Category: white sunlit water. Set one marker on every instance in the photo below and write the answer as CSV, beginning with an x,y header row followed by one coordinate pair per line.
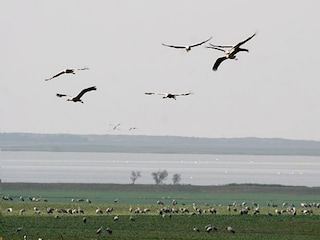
x,y
195,169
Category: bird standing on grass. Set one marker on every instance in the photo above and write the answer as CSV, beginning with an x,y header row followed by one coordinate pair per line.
x,y
109,230
196,229
99,230
230,229
209,228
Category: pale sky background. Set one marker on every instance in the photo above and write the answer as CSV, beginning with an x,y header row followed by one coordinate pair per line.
x,y
272,91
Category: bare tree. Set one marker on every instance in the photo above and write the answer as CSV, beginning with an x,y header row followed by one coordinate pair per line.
x,y
159,176
176,178
134,176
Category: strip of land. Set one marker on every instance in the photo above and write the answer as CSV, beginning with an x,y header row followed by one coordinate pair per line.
x,y
230,188
156,144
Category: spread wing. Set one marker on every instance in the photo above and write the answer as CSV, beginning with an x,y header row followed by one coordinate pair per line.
x,y
182,94
85,91
170,94
243,42
215,47
218,62
61,95
235,46
219,46
193,45
152,93
173,46
85,68
200,43
57,75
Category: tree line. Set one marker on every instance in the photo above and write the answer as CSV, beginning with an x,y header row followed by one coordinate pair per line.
x,y
159,177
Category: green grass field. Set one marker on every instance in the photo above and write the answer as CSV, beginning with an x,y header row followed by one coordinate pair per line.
x,y
152,225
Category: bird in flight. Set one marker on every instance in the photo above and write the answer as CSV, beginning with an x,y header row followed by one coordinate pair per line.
x,y
170,95
230,52
78,97
67,70
187,47
115,127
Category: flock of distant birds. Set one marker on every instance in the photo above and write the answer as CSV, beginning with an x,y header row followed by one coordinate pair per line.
x,y
230,52
166,211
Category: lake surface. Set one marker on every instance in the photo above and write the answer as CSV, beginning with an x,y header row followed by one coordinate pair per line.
x,y
195,169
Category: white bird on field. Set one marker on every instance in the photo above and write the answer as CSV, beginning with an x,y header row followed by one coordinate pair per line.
x,y
230,53
109,230
78,97
196,229
187,47
209,228
230,229
99,230
99,211
66,71
170,95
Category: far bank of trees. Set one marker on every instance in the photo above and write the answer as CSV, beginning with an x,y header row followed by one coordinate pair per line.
x,y
134,176
159,177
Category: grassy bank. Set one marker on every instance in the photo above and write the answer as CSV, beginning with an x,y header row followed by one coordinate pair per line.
x,y
153,224
148,194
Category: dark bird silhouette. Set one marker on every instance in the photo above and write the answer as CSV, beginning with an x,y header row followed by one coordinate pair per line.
x,y
66,71
84,219
78,97
170,95
114,126
187,47
230,53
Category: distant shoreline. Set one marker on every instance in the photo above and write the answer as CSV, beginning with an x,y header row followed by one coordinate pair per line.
x,y
229,188
157,144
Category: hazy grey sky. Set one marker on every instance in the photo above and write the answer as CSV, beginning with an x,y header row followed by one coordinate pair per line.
x,y
272,91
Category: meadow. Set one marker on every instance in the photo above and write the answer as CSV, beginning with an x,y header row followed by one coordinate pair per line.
x,y
151,223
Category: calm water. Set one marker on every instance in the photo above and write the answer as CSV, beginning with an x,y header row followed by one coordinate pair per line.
x,y
55,167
